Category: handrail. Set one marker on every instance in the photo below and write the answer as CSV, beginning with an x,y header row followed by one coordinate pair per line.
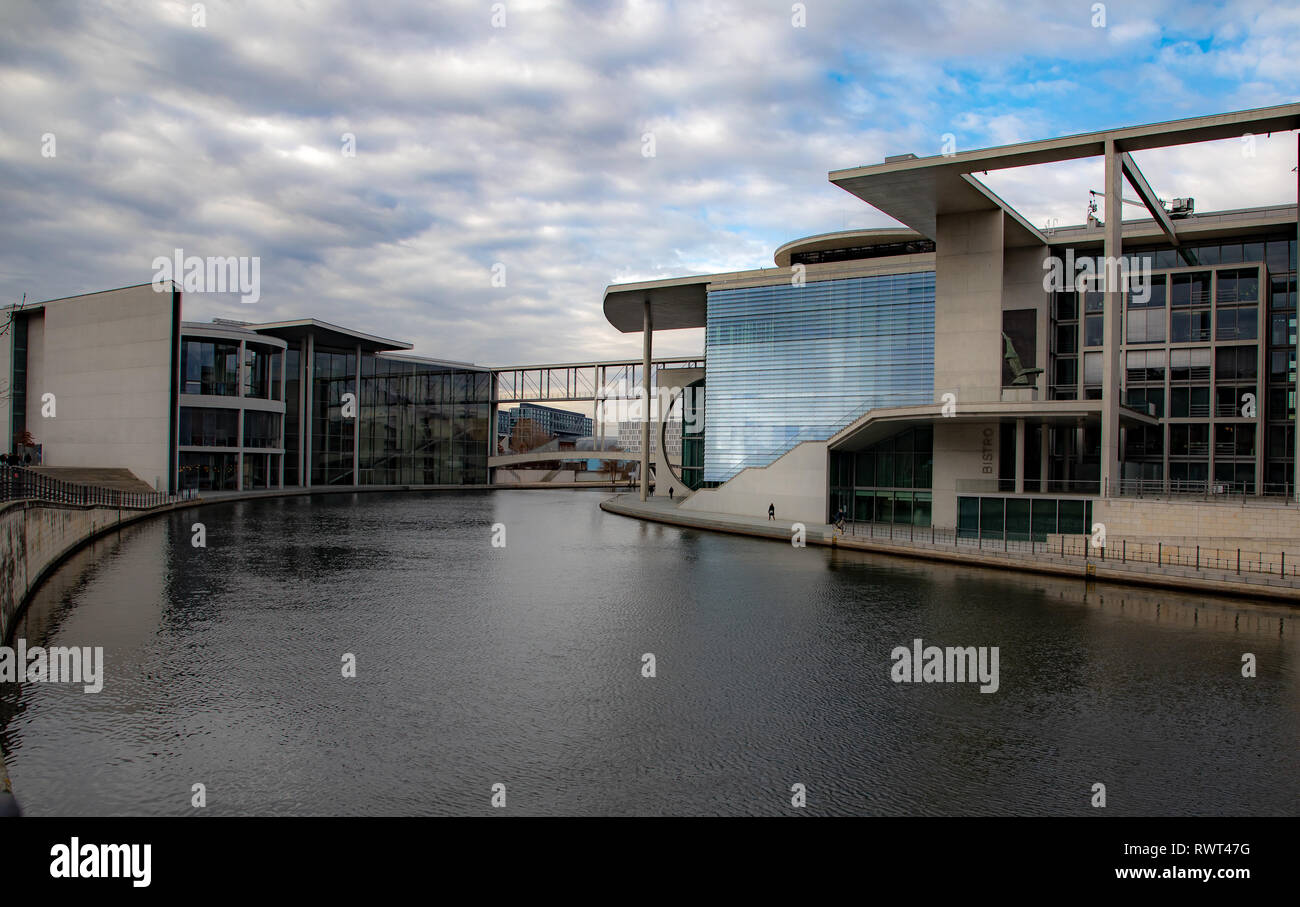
x,y
20,484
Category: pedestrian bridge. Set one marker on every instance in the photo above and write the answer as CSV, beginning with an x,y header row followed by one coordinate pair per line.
x,y
548,456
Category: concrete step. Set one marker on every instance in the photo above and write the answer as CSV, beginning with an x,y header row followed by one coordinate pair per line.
x,y
116,479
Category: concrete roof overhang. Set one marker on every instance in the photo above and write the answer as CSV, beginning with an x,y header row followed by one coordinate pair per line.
x,y
916,191
677,302
327,334
842,239
880,423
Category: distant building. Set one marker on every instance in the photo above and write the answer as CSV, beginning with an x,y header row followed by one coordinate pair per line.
x,y
629,437
234,406
559,423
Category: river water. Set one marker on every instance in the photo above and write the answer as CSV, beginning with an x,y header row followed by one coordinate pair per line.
x,y
523,666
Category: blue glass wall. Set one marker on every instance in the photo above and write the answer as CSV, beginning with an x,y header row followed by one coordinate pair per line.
x,y
786,364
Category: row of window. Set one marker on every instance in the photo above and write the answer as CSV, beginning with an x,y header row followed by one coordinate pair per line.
x,y
210,427
212,367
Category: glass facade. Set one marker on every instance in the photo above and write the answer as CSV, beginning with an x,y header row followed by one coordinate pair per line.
x,y
421,423
1211,354
333,375
1021,519
209,471
210,367
202,426
292,405
888,482
693,430
786,364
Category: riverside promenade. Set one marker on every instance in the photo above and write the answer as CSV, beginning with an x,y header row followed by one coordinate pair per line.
x,y
1067,557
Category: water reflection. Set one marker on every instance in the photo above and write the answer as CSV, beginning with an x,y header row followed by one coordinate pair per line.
x,y
522,665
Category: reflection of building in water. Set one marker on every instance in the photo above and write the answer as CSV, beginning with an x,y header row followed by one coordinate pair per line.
x,y
1202,613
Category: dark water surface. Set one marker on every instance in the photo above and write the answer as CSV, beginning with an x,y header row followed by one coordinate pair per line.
x,y
522,666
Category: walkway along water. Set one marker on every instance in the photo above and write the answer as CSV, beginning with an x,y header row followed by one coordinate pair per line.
x,y
1070,556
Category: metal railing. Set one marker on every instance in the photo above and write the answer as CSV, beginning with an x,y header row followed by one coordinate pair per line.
x,y
1206,489
18,484
1080,547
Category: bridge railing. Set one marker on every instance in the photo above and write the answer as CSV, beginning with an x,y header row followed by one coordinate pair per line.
x,y
18,484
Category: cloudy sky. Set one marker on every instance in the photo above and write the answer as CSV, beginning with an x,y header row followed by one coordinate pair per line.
x,y
515,135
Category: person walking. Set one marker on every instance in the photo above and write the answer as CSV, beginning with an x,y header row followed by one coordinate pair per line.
x,y
670,492
771,511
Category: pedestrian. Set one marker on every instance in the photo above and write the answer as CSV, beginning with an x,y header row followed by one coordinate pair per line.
x,y
771,511
670,492
28,459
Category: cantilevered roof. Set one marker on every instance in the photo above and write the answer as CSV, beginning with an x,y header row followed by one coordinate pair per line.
x,y
677,302
916,191
328,335
880,423
843,239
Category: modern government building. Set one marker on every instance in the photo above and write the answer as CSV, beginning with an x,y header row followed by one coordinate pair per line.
x,y
946,372
117,379
940,375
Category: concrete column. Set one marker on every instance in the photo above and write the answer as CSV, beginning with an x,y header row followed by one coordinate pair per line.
x,y
1020,456
1112,324
1044,436
647,329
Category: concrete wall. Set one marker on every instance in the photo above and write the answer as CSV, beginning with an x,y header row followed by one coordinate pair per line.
x,y
795,483
962,450
34,537
968,278
1191,519
1022,288
107,358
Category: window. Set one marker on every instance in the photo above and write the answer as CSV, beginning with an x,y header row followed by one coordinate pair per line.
x,y
1155,299
204,427
1190,289
1067,372
1093,330
1150,400
1145,365
1236,323
1189,402
1092,368
1189,365
261,429
210,367
1238,286
1067,307
1189,326
1146,326
1191,440
1232,363
1282,329
1234,439
1067,339
1281,365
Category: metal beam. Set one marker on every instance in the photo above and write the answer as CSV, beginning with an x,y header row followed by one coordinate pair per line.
x,y
1144,191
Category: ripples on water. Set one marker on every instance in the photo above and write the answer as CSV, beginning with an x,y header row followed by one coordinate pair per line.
x,y
521,665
